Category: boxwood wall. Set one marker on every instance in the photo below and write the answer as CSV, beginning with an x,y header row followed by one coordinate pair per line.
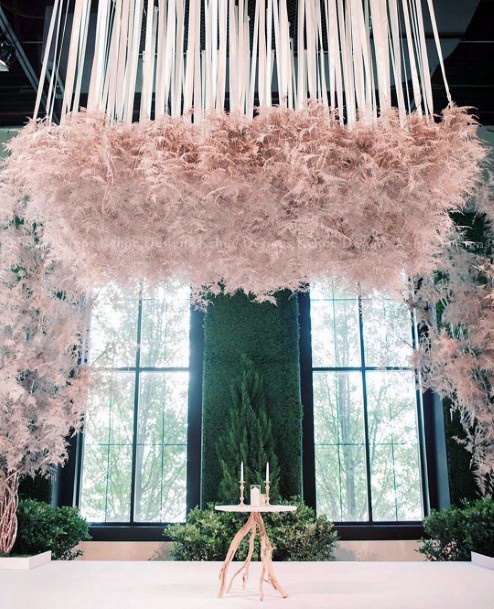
x,y
269,335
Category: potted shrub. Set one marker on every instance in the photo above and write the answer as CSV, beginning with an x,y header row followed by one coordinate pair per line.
x,y
42,528
299,535
464,532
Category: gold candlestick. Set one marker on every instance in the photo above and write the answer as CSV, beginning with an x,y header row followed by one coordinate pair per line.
x,y
268,486
241,492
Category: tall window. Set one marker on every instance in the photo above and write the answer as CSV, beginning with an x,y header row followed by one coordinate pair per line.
x,y
365,408
135,433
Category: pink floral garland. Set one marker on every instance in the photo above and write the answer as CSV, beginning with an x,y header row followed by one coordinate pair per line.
x,y
255,205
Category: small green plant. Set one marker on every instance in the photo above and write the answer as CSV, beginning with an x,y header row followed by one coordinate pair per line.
x,y
459,530
299,535
43,528
248,436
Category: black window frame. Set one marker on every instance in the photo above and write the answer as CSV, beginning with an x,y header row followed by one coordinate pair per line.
x,y
67,481
432,443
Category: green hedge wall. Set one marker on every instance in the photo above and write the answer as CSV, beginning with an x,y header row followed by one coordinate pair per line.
x,y
269,335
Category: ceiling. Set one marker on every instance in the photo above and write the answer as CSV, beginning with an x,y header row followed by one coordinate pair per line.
x,y
466,29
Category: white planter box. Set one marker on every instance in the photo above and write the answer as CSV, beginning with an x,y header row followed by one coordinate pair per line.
x,y
482,561
24,562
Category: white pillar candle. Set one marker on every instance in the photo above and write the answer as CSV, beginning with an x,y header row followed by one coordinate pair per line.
x,y
255,496
267,471
242,472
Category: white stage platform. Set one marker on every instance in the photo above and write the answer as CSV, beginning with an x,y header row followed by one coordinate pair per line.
x,y
178,585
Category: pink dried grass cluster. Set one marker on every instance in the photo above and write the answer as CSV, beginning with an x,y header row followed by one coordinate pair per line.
x,y
457,358
42,389
255,205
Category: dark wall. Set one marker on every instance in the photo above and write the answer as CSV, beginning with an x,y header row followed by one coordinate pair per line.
x,y
462,484
269,335
36,488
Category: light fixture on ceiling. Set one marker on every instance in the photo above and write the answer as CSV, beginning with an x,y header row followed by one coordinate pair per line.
x,y
7,53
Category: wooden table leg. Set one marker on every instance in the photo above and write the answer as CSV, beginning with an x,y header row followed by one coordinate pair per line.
x,y
245,567
266,558
248,526
254,521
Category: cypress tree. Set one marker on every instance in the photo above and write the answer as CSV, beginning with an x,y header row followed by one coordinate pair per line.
x,y
248,438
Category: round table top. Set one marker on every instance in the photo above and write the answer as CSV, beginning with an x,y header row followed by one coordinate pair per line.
x,y
256,508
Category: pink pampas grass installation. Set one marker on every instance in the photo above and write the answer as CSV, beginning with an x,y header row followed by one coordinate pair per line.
x,y
332,182
457,355
43,387
256,205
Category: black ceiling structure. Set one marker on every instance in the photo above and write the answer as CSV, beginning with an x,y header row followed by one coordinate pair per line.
x,y
470,66
466,29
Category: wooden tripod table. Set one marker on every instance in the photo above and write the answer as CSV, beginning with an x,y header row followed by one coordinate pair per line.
x,y
253,523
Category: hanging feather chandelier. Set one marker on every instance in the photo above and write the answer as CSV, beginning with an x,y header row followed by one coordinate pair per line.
x,y
244,145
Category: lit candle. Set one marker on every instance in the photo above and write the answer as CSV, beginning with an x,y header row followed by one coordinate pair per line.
x,y
267,471
242,472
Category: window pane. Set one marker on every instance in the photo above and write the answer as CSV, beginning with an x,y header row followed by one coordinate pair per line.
x,y
92,503
155,419
328,482
161,447
174,483
335,328
387,332
340,445
165,327
113,332
394,450
107,460
390,438
119,474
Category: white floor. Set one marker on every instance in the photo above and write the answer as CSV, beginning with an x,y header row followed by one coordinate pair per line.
x,y
175,585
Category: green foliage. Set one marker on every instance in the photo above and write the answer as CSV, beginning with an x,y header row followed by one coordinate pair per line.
x,y
248,437
268,335
457,531
477,232
43,528
296,536
301,535
205,536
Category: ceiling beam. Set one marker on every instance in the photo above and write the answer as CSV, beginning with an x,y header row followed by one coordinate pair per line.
x,y
20,54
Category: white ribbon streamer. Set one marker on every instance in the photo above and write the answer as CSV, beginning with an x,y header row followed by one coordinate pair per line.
x,y
367,46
